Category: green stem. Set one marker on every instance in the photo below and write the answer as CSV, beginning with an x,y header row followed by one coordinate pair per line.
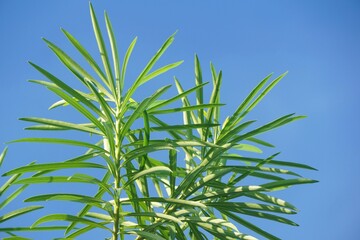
x,y
117,180
116,218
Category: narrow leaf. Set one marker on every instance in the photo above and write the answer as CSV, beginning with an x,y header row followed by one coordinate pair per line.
x,y
69,218
102,49
147,172
61,141
18,212
147,235
2,155
250,226
278,185
125,62
114,53
63,125
53,166
177,97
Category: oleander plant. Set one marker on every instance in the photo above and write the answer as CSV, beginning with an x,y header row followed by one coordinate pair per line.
x,y
152,179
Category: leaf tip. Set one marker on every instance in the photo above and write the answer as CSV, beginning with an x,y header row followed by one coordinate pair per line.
x,y
3,154
13,141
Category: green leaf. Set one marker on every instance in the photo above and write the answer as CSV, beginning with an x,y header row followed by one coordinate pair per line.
x,y
99,216
2,155
126,61
237,206
63,125
102,49
267,127
250,226
252,171
203,181
69,218
12,196
175,98
4,187
146,129
77,178
66,88
270,199
247,148
114,53
281,184
61,141
213,114
267,216
226,135
234,118
80,108
16,238
142,77
272,162
53,166
182,127
34,229
199,91
62,102
188,116
240,169
259,141
75,68
100,192
80,231
184,109
109,112
259,98
147,235
265,92
67,197
138,152
91,62
142,107
228,191
216,226
195,233
173,166
172,201
195,173
18,212
155,215
153,170
161,70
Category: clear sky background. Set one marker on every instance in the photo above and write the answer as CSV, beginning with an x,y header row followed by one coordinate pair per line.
x,y
318,42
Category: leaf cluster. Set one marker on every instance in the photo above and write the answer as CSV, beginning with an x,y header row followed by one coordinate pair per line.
x,y
189,183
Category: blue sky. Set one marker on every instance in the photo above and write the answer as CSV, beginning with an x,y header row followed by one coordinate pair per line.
x,y
316,41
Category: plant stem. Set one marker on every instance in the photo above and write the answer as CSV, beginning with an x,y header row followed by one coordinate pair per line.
x,y
117,179
116,222
116,210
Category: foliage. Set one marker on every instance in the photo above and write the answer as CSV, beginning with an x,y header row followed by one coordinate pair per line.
x,y
198,188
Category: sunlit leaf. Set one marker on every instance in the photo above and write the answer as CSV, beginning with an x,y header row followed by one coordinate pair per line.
x,y
53,166
63,125
18,212
102,49
2,155
61,141
70,218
